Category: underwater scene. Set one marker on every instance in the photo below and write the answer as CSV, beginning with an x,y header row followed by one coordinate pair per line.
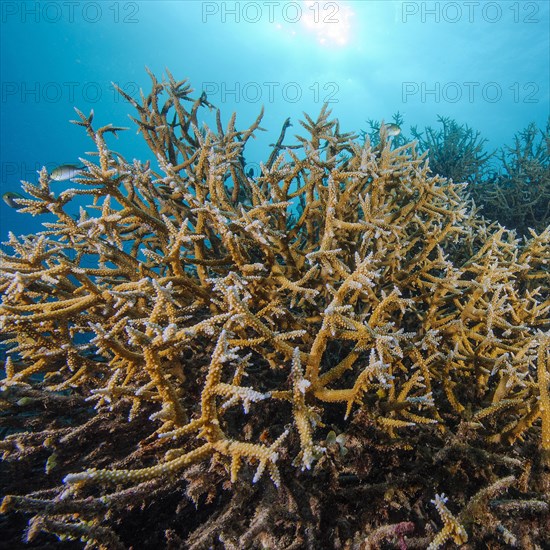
x,y
275,274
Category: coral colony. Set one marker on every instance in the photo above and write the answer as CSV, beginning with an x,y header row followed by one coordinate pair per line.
x,y
309,358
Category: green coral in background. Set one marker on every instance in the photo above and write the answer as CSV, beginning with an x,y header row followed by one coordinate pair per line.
x,y
455,151
518,196
510,186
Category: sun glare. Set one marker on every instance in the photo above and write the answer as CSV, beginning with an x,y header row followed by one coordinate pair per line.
x,y
330,22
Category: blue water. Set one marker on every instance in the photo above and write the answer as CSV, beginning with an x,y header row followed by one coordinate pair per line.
x,y
484,63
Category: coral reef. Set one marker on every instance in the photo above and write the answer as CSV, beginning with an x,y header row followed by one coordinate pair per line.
x,y
310,358
515,191
373,134
456,151
519,196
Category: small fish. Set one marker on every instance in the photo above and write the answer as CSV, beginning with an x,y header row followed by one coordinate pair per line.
x,y
26,401
66,172
392,129
332,439
11,198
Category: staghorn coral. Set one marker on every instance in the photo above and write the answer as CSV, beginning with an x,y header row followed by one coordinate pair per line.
x,y
373,134
456,151
515,193
223,326
519,196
